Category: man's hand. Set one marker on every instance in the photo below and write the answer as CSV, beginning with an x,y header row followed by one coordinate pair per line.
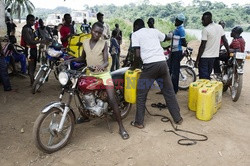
x,y
99,68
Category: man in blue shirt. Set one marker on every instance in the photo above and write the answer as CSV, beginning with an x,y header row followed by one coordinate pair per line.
x,y
178,40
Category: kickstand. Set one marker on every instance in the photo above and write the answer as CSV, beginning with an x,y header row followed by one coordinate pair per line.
x,y
108,124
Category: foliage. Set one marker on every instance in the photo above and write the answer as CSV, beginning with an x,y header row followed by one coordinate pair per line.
x,y
19,7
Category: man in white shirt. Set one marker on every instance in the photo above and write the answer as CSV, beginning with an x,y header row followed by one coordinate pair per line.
x,y
146,42
210,46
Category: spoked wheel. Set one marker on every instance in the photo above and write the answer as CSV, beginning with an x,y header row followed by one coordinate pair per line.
x,y
236,87
190,63
186,77
38,81
45,134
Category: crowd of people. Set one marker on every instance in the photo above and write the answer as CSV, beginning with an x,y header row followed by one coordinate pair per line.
x,y
145,51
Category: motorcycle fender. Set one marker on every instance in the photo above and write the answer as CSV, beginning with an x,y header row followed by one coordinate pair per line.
x,y
240,71
58,105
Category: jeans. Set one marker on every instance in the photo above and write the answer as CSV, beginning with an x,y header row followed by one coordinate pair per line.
x,y
22,59
174,68
115,62
205,67
4,77
155,71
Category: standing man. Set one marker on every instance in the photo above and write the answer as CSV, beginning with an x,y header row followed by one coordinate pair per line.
x,y
66,30
118,38
106,30
28,40
210,46
146,42
85,28
151,22
178,40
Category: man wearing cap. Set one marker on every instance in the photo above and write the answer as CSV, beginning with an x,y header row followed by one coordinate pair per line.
x,y
178,40
106,30
210,46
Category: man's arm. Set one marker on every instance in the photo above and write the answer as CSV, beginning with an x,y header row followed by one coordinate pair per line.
x,y
136,58
225,42
201,50
184,42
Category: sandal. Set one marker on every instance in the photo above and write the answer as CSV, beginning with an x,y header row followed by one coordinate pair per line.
x,y
124,134
82,120
132,123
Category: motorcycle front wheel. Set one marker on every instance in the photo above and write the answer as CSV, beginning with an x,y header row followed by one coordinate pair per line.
x,y
38,81
236,87
45,134
186,77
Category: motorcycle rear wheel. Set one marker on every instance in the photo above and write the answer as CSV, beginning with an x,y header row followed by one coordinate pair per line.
x,y
48,139
187,76
124,106
38,81
236,89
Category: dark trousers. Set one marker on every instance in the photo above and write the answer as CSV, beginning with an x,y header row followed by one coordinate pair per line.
x,y
156,71
32,63
4,77
223,57
174,68
205,67
115,62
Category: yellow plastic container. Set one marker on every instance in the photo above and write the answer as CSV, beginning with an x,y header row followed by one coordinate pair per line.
x,y
206,103
218,93
131,79
75,47
193,93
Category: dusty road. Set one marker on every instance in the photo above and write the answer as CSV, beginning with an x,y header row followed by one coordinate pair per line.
x,y
92,144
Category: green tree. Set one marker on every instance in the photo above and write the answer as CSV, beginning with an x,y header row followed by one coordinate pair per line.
x,y
19,7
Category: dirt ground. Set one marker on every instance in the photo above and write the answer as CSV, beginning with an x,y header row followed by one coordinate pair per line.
x,y
92,144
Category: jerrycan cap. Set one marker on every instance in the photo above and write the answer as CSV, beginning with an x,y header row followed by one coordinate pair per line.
x,y
204,91
194,84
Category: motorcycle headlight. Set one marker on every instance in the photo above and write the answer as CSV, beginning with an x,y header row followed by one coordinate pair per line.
x,y
63,78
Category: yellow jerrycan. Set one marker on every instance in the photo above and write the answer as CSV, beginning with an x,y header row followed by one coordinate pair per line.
x,y
218,94
131,80
206,103
193,93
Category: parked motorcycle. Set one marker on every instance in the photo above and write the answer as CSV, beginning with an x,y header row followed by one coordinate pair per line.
x,y
54,126
53,55
232,74
187,73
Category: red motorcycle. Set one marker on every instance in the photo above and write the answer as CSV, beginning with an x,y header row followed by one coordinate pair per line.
x,y
54,126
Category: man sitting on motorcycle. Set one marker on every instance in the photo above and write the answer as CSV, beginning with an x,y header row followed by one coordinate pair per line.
x,y
95,53
237,45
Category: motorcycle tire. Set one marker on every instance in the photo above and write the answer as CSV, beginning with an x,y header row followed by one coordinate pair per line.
x,y
190,63
187,76
38,81
236,91
37,129
124,106
225,87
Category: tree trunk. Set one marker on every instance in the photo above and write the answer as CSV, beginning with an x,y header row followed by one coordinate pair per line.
x,y
19,13
3,28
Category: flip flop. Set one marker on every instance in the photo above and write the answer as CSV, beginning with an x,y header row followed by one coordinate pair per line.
x,y
132,123
124,135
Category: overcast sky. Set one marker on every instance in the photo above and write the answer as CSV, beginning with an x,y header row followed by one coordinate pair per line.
x,y
78,4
